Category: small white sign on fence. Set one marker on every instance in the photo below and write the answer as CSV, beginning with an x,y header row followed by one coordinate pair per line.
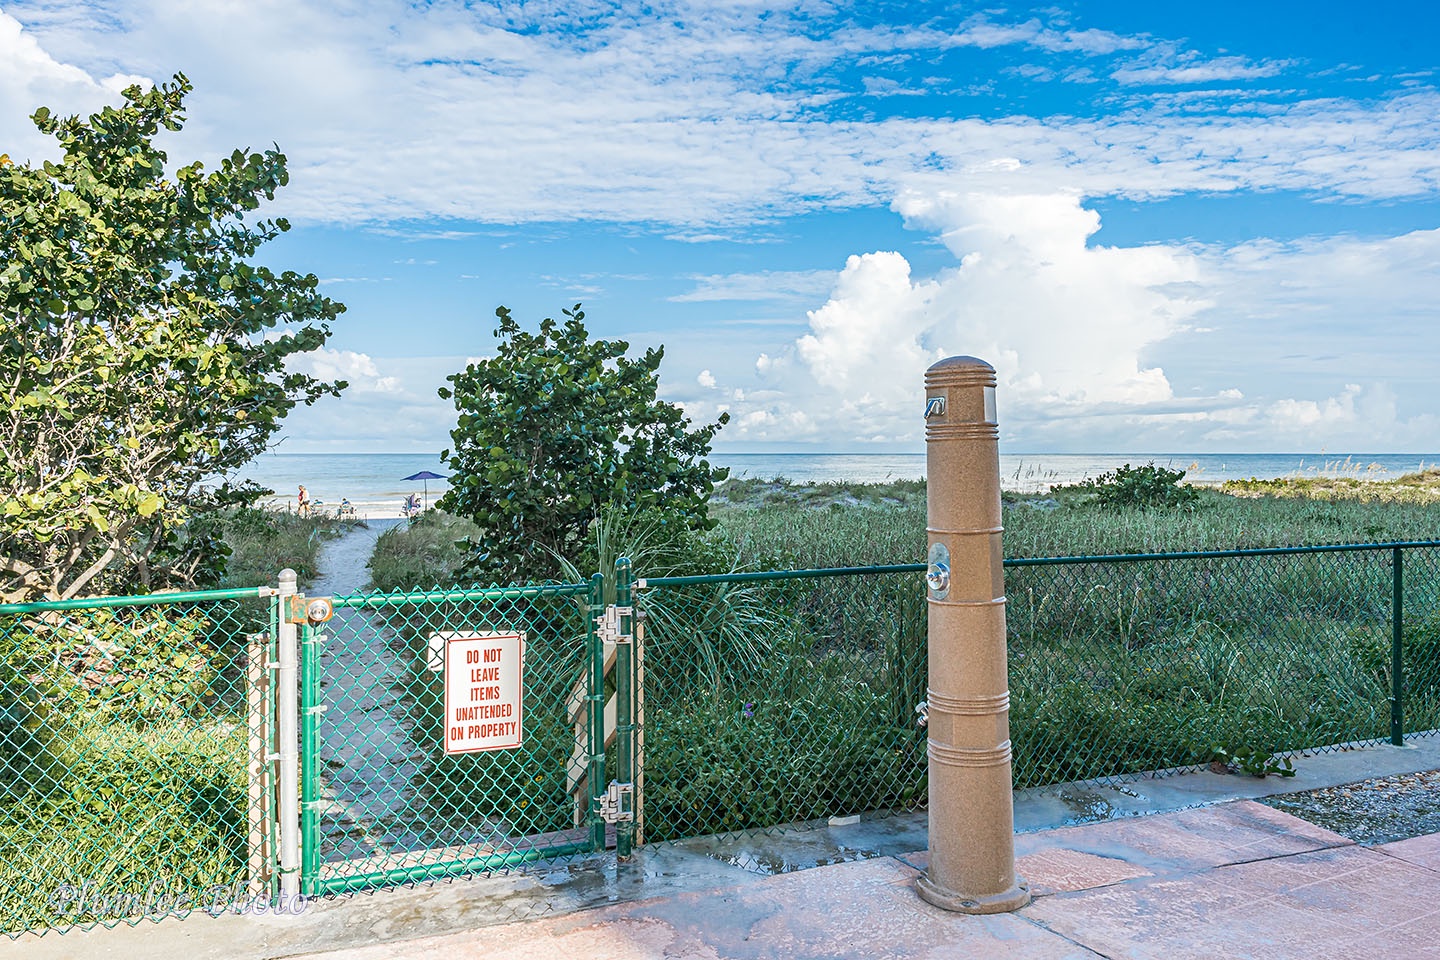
x,y
484,687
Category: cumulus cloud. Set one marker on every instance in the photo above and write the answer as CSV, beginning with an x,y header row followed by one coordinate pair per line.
x,y
868,329
1251,346
30,77
1066,324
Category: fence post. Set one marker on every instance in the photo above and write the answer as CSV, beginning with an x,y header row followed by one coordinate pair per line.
x,y
1397,637
260,798
972,814
287,701
624,702
309,758
595,770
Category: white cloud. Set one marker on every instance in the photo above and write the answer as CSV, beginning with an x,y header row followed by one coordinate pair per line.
x,y
1252,346
397,113
30,77
1065,324
706,379
358,369
980,32
867,330
766,285
391,404
1199,71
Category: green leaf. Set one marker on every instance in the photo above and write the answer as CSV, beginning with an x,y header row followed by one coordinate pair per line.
x,y
123,270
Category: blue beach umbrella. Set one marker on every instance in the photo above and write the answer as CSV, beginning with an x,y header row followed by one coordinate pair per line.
x,y
426,476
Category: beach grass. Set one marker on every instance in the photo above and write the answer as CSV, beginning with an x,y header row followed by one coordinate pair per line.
x,y
1116,668
777,522
264,542
426,553
792,521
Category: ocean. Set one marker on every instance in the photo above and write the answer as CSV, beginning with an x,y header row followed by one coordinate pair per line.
x,y
373,485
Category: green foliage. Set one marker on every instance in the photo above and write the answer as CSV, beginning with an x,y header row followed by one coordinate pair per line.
x,y
1253,762
426,553
875,531
133,816
134,666
26,740
143,349
1146,487
261,543
555,428
717,764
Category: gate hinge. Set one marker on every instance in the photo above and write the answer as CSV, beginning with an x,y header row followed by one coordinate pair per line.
x,y
607,626
617,803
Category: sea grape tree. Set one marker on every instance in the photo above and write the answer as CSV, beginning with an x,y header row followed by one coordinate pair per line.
x,y
142,348
556,429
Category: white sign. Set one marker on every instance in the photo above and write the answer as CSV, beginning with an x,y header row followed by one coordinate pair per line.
x,y
484,686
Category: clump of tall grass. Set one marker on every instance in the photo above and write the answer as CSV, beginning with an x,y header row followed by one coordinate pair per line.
x,y
129,823
264,542
1412,488
424,554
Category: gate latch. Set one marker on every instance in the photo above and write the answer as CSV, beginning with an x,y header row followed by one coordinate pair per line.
x,y
608,625
617,803
311,610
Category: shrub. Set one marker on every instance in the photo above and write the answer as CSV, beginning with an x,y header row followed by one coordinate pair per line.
x,y
1147,486
555,429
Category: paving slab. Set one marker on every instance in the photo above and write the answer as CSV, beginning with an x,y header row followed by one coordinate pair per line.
x,y
1077,841
1338,902
1421,851
862,910
1189,840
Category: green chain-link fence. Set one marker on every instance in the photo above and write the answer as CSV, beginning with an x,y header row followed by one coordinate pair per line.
x,y
779,697
1120,665
383,800
771,698
138,742
125,757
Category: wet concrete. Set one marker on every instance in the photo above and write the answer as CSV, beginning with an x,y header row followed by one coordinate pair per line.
x,y
1160,831
1234,880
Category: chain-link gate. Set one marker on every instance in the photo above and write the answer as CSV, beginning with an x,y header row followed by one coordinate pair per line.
x,y
387,795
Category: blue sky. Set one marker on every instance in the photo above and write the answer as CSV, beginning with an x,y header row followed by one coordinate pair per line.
x,y
1186,227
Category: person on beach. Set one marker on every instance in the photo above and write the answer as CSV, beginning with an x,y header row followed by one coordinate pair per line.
x,y
303,502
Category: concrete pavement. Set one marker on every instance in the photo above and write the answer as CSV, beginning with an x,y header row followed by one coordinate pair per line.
x,y
1236,880
1177,866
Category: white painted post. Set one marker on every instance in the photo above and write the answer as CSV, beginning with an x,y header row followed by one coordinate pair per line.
x,y
287,701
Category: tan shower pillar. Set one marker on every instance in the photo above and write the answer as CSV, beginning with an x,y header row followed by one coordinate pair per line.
x,y
972,814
